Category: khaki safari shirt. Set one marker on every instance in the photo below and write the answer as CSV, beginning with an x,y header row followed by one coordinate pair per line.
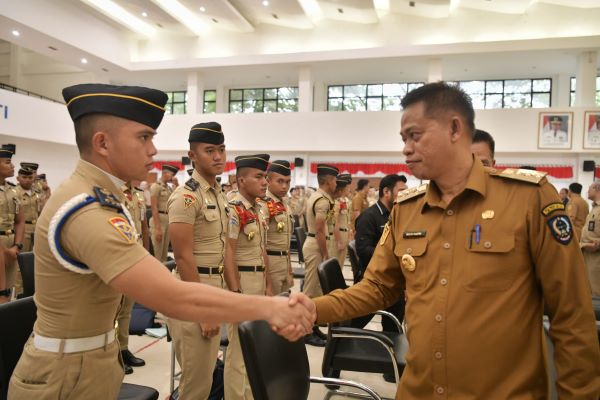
x,y
475,300
247,224
162,191
281,223
9,206
578,210
320,203
31,202
134,201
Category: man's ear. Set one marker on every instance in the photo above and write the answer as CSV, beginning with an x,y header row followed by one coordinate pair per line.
x,y
100,143
456,129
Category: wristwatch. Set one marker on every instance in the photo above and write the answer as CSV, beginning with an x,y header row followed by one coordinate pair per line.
x,y
18,246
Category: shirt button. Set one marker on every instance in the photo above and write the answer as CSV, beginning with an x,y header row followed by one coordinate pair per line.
x,y
444,281
487,245
409,250
446,245
450,212
439,317
439,390
438,355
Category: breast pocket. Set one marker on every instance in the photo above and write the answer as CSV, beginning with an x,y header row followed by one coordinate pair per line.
x,y
490,264
411,258
211,215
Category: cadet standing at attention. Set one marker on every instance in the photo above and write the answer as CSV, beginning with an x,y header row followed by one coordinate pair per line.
x,y
31,201
87,254
342,217
198,227
319,221
159,224
12,223
281,226
479,253
245,259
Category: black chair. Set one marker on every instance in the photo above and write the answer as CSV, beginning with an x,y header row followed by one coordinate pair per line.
x,y
26,263
354,263
20,315
300,235
354,349
596,305
278,369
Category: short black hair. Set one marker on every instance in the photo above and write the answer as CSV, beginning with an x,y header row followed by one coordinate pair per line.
x,y
389,181
361,184
575,187
439,97
482,136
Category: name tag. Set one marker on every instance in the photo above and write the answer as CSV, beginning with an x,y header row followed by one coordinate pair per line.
x,y
414,234
591,226
211,206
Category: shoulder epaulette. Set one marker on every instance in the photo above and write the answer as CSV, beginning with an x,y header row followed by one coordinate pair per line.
x,y
410,193
192,184
10,183
235,203
106,198
524,175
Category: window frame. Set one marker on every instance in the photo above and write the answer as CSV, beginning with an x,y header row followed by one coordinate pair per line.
x,y
263,99
366,96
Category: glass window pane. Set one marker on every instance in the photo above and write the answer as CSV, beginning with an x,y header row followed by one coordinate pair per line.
x,y
179,97
412,86
597,82
453,83
392,103
517,86
235,107
270,93
334,105
374,104
473,87
270,105
493,87
478,101
394,89
374,90
288,93
598,98
335,91
542,85
210,95
235,94
354,104
168,108
540,100
573,84
251,106
517,100
493,101
169,97
179,108
288,105
252,94
210,107
355,91
572,99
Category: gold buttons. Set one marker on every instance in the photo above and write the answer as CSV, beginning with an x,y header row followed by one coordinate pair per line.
x,y
409,250
439,390
439,317
487,245
450,212
444,281
446,245
438,355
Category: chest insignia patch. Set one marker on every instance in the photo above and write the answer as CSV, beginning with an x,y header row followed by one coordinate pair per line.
x,y
123,227
561,229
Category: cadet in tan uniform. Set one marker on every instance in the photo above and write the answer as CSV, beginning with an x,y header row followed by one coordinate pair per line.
x,y
87,254
36,186
577,209
479,252
46,191
245,259
198,227
12,224
319,220
360,202
159,224
281,226
590,239
342,217
31,202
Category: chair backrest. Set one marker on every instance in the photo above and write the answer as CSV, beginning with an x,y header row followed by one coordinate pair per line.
x,y
16,319
330,276
277,368
354,263
26,263
300,238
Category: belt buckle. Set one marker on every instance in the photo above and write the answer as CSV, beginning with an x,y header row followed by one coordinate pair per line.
x,y
220,269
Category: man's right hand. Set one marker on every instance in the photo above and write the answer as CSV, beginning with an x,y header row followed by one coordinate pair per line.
x,y
11,253
209,330
292,318
158,234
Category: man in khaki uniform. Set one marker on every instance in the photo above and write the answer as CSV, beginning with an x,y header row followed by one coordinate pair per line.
x,y
360,202
87,254
281,226
479,252
319,220
12,225
577,209
245,259
46,191
134,202
590,239
160,192
341,216
198,227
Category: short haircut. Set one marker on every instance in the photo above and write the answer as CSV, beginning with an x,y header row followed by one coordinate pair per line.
x,y
440,97
389,181
575,187
87,125
321,179
595,186
481,136
361,184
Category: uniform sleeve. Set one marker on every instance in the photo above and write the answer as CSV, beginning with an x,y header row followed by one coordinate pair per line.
x,y
154,190
560,271
382,285
183,206
321,207
233,228
102,240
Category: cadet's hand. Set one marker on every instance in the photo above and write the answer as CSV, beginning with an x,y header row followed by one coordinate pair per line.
x,y
11,253
290,279
158,234
290,318
269,289
209,330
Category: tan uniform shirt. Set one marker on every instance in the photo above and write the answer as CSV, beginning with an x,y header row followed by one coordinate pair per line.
x,y
578,210
341,214
247,224
162,191
69,304
9,206
360,202
281,224
591,233
205,207
319,203
134,201
31,202
474,304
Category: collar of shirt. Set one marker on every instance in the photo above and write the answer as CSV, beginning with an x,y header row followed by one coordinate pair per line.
x,y
245,202
475,183
98,177
116,181
204,185
327,196
382,209
271,195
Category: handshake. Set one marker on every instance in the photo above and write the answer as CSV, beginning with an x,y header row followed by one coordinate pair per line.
x,y
292,317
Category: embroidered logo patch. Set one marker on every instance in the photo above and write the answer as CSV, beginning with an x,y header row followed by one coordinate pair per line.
x,y
123,227
188,200
550,208
561,229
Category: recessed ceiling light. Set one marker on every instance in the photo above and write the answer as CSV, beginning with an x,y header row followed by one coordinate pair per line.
x,y
341,10
265,3
52,48
16,33
275,16
105,69
144,14
203,9
84,61
216,21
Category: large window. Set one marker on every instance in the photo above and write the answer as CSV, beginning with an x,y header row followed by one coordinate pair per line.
x,y
572,91
210,101
368,97
283,99
176,102
509,93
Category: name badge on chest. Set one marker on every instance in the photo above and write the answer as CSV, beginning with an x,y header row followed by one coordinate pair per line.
x,y
591,226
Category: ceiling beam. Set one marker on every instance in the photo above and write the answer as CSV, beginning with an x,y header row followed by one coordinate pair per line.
x,y
241,22
118,14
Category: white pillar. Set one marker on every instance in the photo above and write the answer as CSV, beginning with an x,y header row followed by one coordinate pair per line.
x,y
305,90
585,90
195,93
434,70
320,96
15,76
561,90
222,99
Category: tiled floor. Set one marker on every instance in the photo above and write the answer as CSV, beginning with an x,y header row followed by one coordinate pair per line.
x,y
157,354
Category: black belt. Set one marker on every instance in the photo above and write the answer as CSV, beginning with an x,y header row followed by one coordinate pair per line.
x,y
328,237
163,212
258,268
343,229
33,221
6,233
210,270
277,253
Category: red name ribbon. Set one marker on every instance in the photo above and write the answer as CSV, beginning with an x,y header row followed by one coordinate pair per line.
x,y
246,216
275,208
